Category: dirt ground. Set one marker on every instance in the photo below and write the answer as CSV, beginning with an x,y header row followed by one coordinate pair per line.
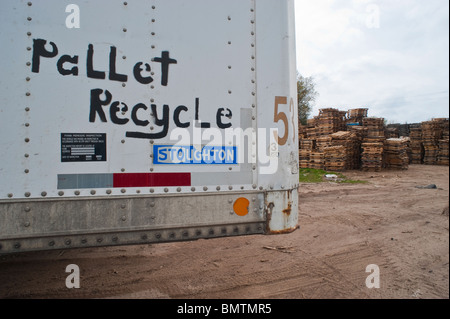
x,y
344,228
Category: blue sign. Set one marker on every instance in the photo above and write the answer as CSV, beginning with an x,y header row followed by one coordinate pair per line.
x,y
189,155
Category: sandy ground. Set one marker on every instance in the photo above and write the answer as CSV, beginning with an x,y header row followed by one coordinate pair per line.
x,y
344,228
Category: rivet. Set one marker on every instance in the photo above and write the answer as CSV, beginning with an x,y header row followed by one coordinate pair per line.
x,y
229,18
10,195
77,193
123,190
115,239
17,245
26,171
253,93
152,204
51,243
166,190
29,4
29,18
99,240
27,155
125,3
252,33
28,33
198,232
27,224
27,124
122,170
235,230
151,169
68,242
229,67
230,187
158,236
27,209
123,206
254,186
28,63
28,94
255,210
271,187
43,194
230,201
122,141
27,194
153,46
153,33
224,230
193,189
252,21
60,193
253,69
172,235
124,29
229,42
124,218
28,48
211,231
179,189
152,190
27,140
205,188
124,85
218,188
261,188
282,186
153,7
229,92
108,191
144,237
153,20
27,109
124,57
84,241
253,45
253,199
138,191
253,118
152,141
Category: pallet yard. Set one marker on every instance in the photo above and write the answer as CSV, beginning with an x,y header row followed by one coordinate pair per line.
x,y
346,140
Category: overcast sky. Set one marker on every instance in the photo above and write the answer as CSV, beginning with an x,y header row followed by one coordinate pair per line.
x,y
391,56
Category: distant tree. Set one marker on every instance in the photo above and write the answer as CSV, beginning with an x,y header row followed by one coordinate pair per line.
x,y
306,96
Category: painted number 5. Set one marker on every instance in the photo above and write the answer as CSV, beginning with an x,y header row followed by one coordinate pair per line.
x,y
281,116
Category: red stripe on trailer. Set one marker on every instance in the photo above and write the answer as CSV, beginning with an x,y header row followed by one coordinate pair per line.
x,y
151,179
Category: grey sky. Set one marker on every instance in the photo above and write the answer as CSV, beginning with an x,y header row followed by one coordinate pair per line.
x,y
391,56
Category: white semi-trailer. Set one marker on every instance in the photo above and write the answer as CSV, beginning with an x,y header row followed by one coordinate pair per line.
x,y
145,121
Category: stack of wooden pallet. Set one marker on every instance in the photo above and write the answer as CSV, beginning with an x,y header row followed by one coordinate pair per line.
x,y
443,156
396,153
307,144
415,144
351,144
431,133
304,158
317,160
372,156
375,130
335,158
322,142
329,121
